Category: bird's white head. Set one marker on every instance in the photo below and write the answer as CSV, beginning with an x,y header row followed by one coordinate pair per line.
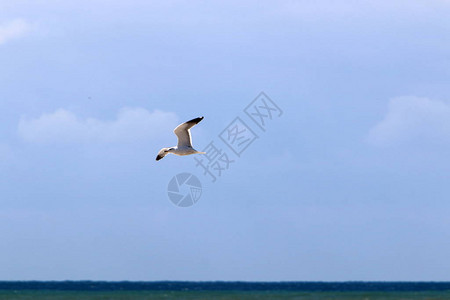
x,y
163,152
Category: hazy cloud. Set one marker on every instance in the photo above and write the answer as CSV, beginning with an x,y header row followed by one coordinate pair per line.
x,y
412,118
13,29
63,126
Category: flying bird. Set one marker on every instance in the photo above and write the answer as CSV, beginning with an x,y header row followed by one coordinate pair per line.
x,y
184,146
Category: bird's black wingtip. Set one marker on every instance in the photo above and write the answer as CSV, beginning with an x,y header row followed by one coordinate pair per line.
x,y
196,120
159,157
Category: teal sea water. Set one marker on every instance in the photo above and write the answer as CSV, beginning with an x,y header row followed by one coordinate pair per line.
x,y
223,290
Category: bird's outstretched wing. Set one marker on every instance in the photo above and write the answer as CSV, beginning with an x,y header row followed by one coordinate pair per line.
x,y
183,133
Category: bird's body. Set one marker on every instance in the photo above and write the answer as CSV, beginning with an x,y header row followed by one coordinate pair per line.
x,y
184,146
185,151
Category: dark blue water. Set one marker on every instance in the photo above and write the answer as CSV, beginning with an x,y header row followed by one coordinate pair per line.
x,y
225,286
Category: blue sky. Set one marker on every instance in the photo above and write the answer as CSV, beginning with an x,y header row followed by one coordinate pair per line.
x,y
350,183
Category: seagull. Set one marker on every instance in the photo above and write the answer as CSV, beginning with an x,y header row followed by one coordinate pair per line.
x,y
184,146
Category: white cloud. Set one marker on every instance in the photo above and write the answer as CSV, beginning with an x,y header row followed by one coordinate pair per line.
x,y
63,126
14,29
413,119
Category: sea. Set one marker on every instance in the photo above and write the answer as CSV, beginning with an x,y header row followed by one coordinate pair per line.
x,y
180,290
